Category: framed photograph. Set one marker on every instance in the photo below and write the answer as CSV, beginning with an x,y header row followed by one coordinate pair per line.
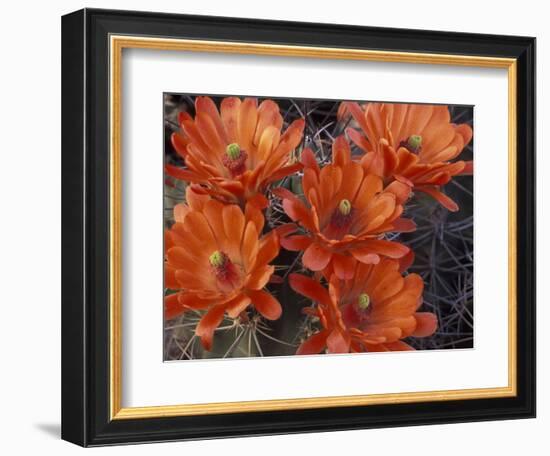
x,y
275,227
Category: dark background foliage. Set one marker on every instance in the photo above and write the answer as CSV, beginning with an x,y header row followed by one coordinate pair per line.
x,y
443,245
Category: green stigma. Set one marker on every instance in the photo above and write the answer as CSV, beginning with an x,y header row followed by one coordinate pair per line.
x,y
344,207
363,301
233,151
217,259
414,142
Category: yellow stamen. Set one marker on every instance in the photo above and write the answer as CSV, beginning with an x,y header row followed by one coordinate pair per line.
x,y
217,259
363,301
233,151
415,142
344,207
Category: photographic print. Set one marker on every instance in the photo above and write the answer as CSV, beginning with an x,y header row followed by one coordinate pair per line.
x,y
286,228
309,226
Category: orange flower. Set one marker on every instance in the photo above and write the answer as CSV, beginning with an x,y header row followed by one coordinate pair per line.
x,y
218,263
413,143
372,311
346,214
235,153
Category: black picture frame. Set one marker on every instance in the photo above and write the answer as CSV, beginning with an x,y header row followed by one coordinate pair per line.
x,y
85,228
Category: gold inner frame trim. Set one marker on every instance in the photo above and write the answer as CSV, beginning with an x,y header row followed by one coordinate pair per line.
x,y
117,44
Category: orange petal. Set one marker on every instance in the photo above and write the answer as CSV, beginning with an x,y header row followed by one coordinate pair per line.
x,y
438,139
465,131
210,135
168,240
341,153
468,168
258,200
183,116
308,159
296,243
190,280
316,257
314,344
286,229
380,208
296,210
359,140
309,288
251,212
267,142
208,324
230,108
389,158
407,161
172,307
237,305
180,173
268,116
276,279
250,246
426,324
387,333
194,199
344,266
180,211
192,301
234,224
390,249
358,114
440,197
401,190
398,345
365,256
181,258
213,211
284,171
170,278
403,304
206,105
197,148
197,227
310,181
370,186
266,304
389,282
179,143
269,248
402,225
259,277
248,118
337,342
406,261
352,178
418,118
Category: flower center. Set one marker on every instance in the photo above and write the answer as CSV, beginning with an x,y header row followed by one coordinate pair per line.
x,y
413,144
218,259
363,302
227,273
341,217
340,221
233,151
234,159
344,207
